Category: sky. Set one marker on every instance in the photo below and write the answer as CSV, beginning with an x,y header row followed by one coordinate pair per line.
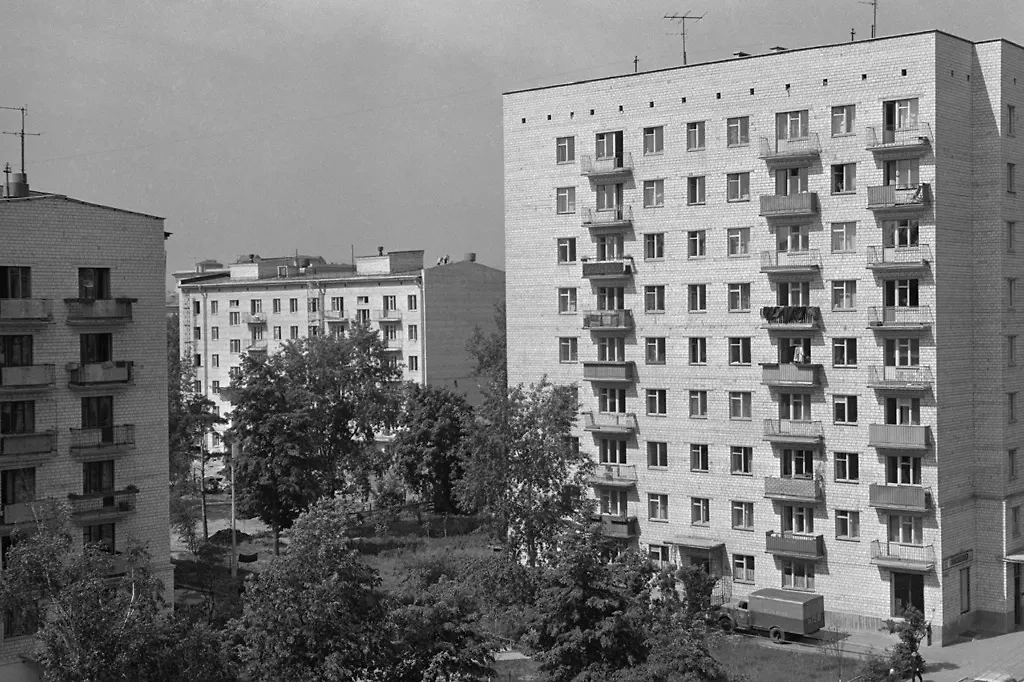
x,y
333,126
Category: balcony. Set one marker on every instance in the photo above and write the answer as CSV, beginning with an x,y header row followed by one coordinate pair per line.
x,y
791,262
617,527
895,199
254,319
900,319
898,436
614,476
100,374
103,439
899,259
789,206
609,371
900,497
28,377
20,311
99,310
900,557
789,375
795,318
32,443
793,431
621,217
88,508
257,346
610,422
606,167
387,315
793,489
26,512
392,345
796,546
608,320
889,378
335,315
889,142
609,269
800,151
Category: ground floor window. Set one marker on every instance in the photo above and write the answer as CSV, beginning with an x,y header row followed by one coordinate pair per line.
x,y
798,575
965,590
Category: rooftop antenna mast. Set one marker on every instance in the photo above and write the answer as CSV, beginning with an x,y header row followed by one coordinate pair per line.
x,y
874,13
22,133
682,19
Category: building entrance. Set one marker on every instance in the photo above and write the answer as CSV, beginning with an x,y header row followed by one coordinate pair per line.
x,y
907,590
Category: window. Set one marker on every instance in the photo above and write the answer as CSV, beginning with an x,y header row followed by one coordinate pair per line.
x,y
655,350
1011,406
844,237
739,241
795,406
790,181
695,136
659,555
567,349
737,131
19,622
844,294
654,140
903,411
293,305
98,477
611,400
906,529
698,350
609,247
414,363
338,304
739,405
695,190
18,417
656,401
737,186
256,305
236,345
903,470
654,193
798,519
739,298
1011,290
741,459
215,360
842,120
657,507
1015,521
567,250
845,409
91,348
1011,463
565,200
213,307
94,283
411,301
698,404
657,454
1011,177
699,457
844,352
609,145
567,300
791,125
293,331
696,243
654,245
794,293
1011,229
698,298
654,298
277,333
414,332
197,360
743,515
233,319
899,114
275,305
611,298
1011,120
739,350
609,198
847,467
98,412
847,524
743,568
565,149
700,511
844,178
797,575
15,282
965,589
214,333
611,349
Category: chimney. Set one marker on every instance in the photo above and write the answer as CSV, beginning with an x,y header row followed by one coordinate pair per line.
x,y
778,48
18,186
741,53
380,250
470,256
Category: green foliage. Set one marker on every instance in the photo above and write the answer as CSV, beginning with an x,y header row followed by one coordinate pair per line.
x,y
490,352
180,375
905,656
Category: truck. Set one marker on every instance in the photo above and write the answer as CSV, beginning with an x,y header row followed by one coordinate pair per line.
x,y
777,612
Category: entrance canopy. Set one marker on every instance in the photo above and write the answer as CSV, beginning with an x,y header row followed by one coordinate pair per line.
x,y
689,542
1014,558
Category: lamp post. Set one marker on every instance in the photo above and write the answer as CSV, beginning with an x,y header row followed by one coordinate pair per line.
x,y
235,450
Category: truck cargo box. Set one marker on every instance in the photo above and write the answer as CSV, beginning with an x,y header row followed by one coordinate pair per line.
x,y
797,612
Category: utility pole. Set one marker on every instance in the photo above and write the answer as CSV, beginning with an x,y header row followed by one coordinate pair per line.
x,y
22,133
874,13
682,19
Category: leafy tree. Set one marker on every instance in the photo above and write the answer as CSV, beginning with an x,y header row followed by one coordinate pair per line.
x,y
490,351
905,656
521,468
180,375
428,447
200,418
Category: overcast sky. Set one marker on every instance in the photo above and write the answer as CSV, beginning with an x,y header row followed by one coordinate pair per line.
x,y
266,126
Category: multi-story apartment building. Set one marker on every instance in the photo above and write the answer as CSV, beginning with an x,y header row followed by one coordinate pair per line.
x,y
425,315
789,287
83,379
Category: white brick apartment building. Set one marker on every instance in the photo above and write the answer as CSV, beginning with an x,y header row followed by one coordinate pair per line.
x,y
83,378
425,315
788,285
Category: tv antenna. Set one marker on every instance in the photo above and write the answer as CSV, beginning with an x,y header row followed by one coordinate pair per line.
x,y
22,133
874,13
682,19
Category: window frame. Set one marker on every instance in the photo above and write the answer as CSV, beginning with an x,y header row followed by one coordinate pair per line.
x,y
654,242
656,136
738,293
569,148
850,464
656,398
698,398
846,290
742,125
567,301
654,193
743,565
657,451
696,190
696,137
737,182
657,344
654,298
568,350
847,344
743,400
696,243
657,507
744,455
739,350
698,347
566,250
844,178
845,404
740,237
700,511
700,458
846,115
697,298
565,200
742,516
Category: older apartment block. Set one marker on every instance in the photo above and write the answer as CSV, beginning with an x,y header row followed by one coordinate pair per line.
x,y
789,286
83,380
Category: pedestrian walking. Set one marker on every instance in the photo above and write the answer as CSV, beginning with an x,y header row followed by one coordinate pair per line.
x,y
918,674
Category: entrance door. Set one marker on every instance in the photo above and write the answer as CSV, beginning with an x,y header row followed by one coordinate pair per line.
x,y
907,590
1018,596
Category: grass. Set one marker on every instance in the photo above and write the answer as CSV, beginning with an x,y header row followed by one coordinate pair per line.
x,y
766,662
516,671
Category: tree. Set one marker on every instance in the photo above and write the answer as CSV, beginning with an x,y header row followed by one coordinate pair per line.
x,y
905,656
522,468
179,392
490,351
200,417
428,447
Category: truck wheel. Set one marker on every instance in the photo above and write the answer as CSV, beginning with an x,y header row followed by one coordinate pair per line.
x,y
777,635
726,624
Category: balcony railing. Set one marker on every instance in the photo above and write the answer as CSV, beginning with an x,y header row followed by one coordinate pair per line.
x,y
103,438
610,422
100,505
257,346
609,371
898,436
336,315
902,142
93,310
793,431
614,475
804,204
27,377
900,378
790,374
899,258
34,443
254,318
27,512
903,557
791,317
96,373
903,318
797,546
387,315
618,527
899,497
608,320
24,310
607,166
790,151
792,489
608,269
394,344
613,217
896,198
790,262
